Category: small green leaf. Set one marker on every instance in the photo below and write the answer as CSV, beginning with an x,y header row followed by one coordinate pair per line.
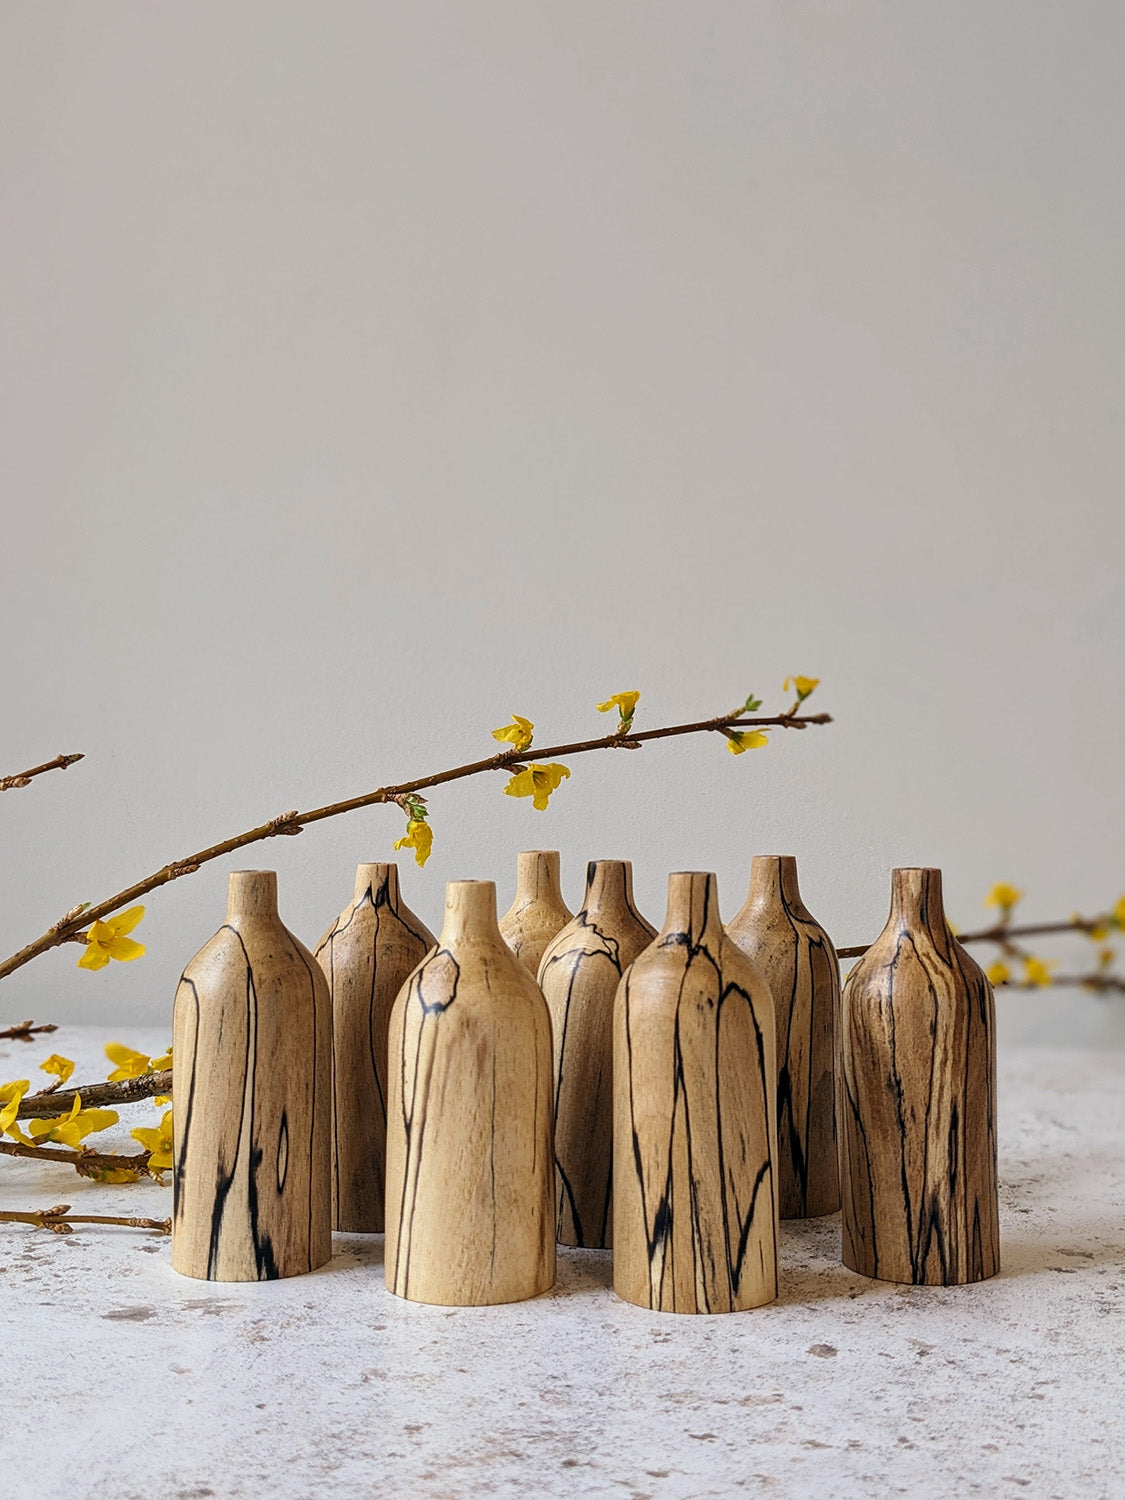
x,y
752,704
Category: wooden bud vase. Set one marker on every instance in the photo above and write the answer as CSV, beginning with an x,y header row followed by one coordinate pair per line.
x,y
367,955
539,912
579,975
784,939
694,1185
470,1154
252,1079
917,1101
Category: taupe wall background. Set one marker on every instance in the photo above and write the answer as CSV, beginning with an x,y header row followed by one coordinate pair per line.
x,y
372,371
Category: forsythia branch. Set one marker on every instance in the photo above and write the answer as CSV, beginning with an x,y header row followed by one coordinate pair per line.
x,y
67,928
23,778
85,1163
59,1219
46,1104
23,1031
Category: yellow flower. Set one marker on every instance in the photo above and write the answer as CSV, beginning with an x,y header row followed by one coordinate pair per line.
x,y
419,836
1119,911
1106,956
536,782
739,740
71,1129
10,1096
519,731
107,940
161,1064
802,686
61,1067
1004,896
626,706
1036,972
998,973
112,1174
130,1064
158,1143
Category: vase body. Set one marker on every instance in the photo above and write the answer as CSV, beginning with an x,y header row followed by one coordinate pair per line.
x,y
470,1154
252,1080
694,1184
538,912
579,974
783,938
367,955
917,1101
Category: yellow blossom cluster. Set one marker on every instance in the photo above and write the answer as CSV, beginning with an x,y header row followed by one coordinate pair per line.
x,y
71,1127
109,939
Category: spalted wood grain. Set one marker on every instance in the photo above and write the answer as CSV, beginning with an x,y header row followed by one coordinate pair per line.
x,y
694,1185
252,1077
470,1153
579,975
538,912
917,1101
367,955
776,930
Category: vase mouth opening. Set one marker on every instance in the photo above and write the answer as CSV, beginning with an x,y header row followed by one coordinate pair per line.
x,y
916,870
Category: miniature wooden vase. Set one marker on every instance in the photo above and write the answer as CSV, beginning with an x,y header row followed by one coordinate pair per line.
x,y
252,1078
780,934
694,1085
579,975
367,955
917,1101
470,1153
539,912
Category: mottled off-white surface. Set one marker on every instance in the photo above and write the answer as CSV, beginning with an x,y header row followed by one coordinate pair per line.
x,y
125,1380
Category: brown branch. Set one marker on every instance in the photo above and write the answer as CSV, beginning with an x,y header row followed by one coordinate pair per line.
x,y
23,1031
1095,980
1001,932
85,1163
59,1219
23,778
122,1091
67,928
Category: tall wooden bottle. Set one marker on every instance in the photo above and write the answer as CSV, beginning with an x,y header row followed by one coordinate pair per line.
x,y
470,1154
776,929
367,955
694,1182
252,1078
538,912
917,1100
579,975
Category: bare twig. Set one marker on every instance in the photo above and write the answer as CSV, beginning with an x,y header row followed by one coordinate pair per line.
x,y
67,928
123,1091
59,1219
23,1031
23,778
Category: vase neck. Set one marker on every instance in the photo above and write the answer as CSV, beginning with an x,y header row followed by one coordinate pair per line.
x,y
693,908
470,912
609,882
773,881
252,893
916,900
380,882
537,878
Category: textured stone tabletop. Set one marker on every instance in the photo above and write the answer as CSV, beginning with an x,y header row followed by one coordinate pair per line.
x,y
120,1379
